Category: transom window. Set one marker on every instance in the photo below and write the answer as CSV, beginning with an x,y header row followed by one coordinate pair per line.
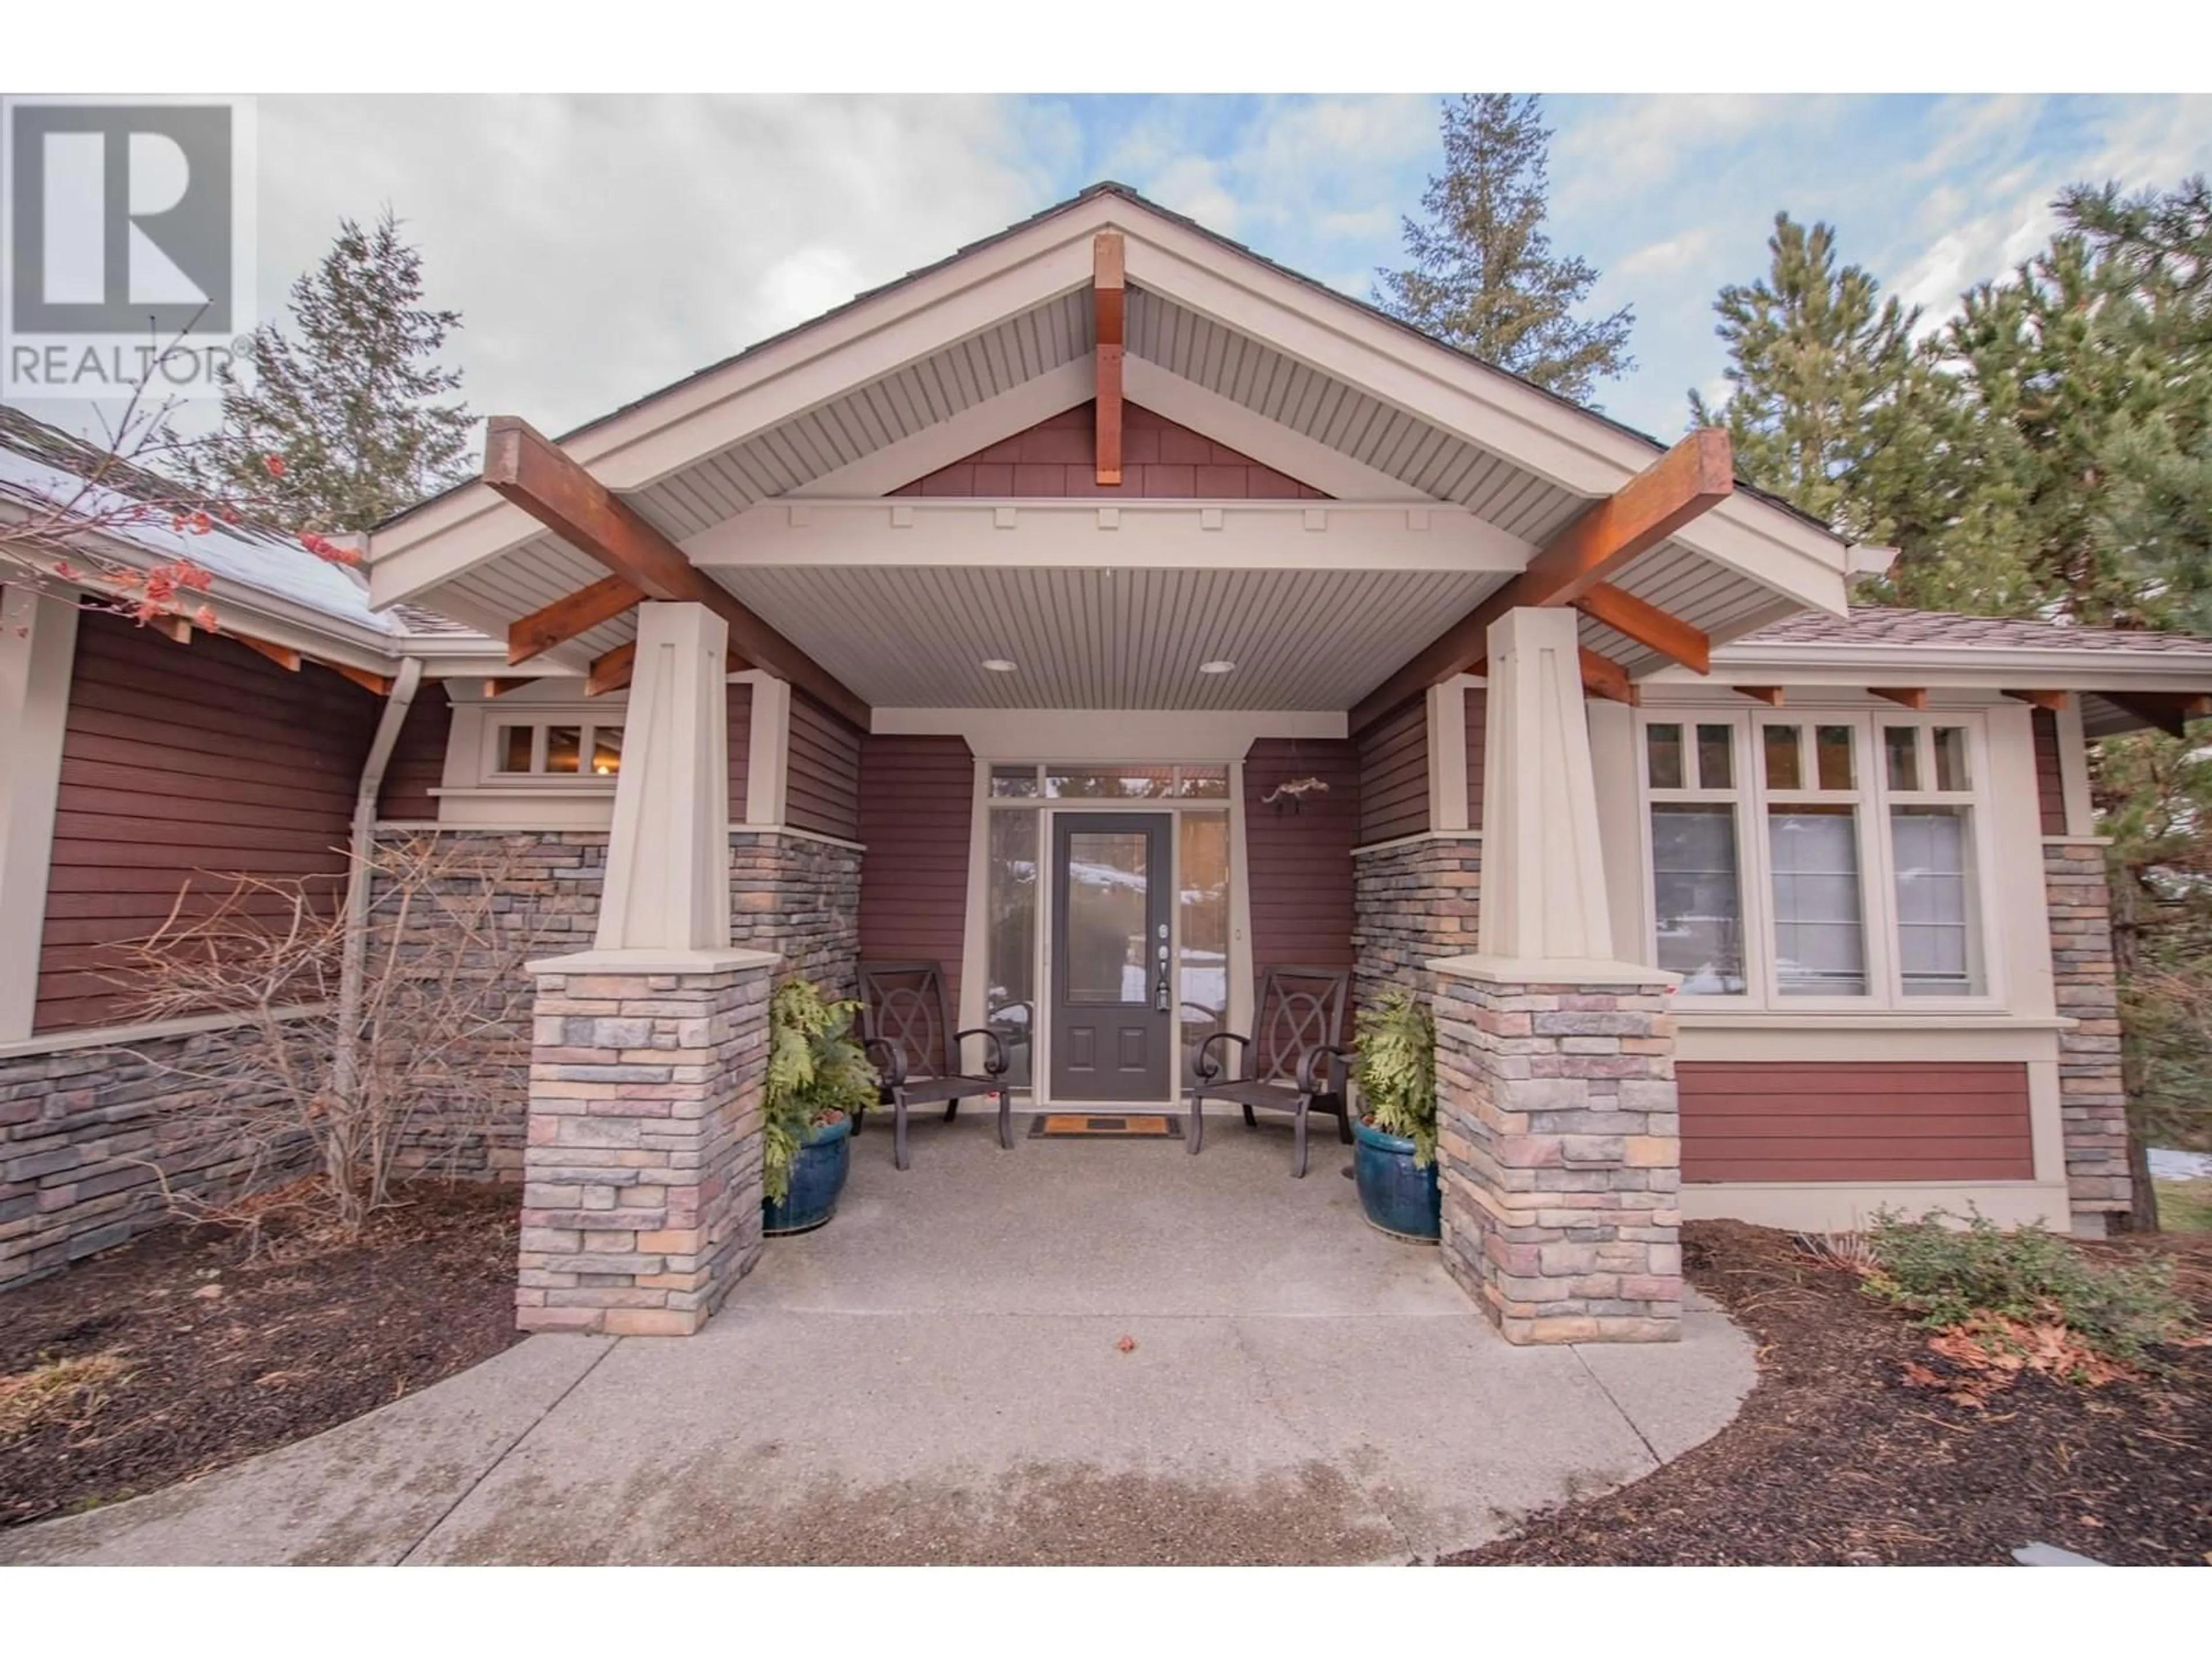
x,y
1053,782
1816,856
556,748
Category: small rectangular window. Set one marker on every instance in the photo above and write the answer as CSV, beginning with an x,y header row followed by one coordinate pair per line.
x,y
1109,783
1698,896
1938,933
564,749
1013,783
1832,744
1784,767
607,750
1202,782
1901,748
1715,757
1950,759
515,743
1662,749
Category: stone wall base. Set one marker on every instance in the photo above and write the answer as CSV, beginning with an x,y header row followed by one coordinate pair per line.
x,y
641,1202
1411,905
2092,1095
1561,1157
799,897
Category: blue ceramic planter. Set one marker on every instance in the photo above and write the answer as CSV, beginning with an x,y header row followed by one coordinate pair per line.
x,y
1401,1199
817,1175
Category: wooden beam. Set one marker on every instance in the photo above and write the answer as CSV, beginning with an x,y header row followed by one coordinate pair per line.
x,y
282,655
565,618
1604,677
1911,697
1769,695
521,465
612,671
1109,299
2169,711
501,687
380,684
2050,702
172,628
1647,624
1685,481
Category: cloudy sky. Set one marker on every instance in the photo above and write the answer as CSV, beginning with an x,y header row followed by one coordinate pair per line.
x,y
599,248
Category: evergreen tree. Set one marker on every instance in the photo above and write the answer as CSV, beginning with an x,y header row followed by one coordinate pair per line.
x,y
1483,276
352,406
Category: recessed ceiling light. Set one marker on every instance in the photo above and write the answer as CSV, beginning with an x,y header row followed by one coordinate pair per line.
x,y
1218,665
998,664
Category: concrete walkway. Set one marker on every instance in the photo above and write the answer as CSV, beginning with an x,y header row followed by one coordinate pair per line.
x,y
937,1376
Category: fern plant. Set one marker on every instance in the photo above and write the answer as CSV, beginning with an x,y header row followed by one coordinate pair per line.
x,y
817,1072
1396,1042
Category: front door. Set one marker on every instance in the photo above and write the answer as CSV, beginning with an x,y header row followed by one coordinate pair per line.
x,y
1110,999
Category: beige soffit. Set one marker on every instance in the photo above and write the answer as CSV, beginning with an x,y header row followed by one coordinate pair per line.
x,y
1004,313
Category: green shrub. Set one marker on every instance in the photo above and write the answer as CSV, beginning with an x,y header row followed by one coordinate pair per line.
x,y
1953,1275
1396,1043
817,1072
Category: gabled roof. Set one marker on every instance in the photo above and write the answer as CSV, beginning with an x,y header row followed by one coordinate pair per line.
x,y
1894,627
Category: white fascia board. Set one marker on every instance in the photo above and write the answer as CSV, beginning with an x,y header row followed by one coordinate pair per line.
x,y
1086,532
717,410
1104,735
1574,451
1958,666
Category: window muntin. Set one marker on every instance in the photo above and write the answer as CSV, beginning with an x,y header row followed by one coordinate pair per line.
x,y
1855,888
556,749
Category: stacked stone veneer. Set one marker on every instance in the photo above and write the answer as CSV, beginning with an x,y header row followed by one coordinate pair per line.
x,y
641,1201
799,896
1413,902
90,1135
1560,1156
2093,1097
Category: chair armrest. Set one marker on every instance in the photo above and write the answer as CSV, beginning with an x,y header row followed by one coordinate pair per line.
x,y
1204,1068
995,1056
1310,1065
889,1061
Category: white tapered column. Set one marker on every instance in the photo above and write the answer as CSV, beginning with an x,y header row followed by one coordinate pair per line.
x,y
1543,868
668,859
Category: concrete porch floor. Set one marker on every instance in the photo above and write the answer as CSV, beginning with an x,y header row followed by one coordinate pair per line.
x,y
937,1376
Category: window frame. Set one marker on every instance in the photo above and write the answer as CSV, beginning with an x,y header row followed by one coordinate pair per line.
x,y
1871,800
588,722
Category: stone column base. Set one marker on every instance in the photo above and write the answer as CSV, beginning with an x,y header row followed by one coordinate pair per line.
x,y
642,1203
1560,1148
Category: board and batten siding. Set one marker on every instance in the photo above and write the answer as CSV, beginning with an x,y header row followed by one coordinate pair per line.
x,y
418,764
917,807
1394,775
1855,1121
183,766
822,786
1299,859
2050,775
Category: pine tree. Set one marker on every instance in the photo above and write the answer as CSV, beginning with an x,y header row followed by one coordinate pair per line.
x,y
1483,276
361,419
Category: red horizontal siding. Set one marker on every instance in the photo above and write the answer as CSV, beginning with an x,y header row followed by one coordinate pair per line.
x,y
1160,460
1478,718
740,718
1300,861
2050,777
822,786
917,807
1855,1121
184,766
418,757
1394,775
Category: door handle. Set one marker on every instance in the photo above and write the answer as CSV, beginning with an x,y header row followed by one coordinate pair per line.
x,y
1160,998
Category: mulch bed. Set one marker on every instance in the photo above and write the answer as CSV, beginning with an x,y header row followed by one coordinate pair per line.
x,y
300,1337
1837,1460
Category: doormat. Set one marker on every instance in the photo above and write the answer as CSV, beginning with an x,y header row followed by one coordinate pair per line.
x,y
1119,1126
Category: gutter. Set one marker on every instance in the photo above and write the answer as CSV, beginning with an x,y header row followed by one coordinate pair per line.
x,y
345,1057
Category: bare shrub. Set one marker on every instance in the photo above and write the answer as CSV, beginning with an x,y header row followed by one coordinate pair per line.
x,y
437,1058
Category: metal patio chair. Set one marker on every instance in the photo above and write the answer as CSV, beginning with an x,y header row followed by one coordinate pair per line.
x,y
1291,1062
906,1026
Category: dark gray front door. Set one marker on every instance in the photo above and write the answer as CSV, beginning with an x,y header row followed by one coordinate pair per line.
x,y
1112,1029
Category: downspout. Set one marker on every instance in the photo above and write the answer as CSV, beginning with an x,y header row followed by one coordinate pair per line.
x,y
345,1058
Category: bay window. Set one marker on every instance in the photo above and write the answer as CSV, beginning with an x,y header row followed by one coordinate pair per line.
x,y
1797,859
